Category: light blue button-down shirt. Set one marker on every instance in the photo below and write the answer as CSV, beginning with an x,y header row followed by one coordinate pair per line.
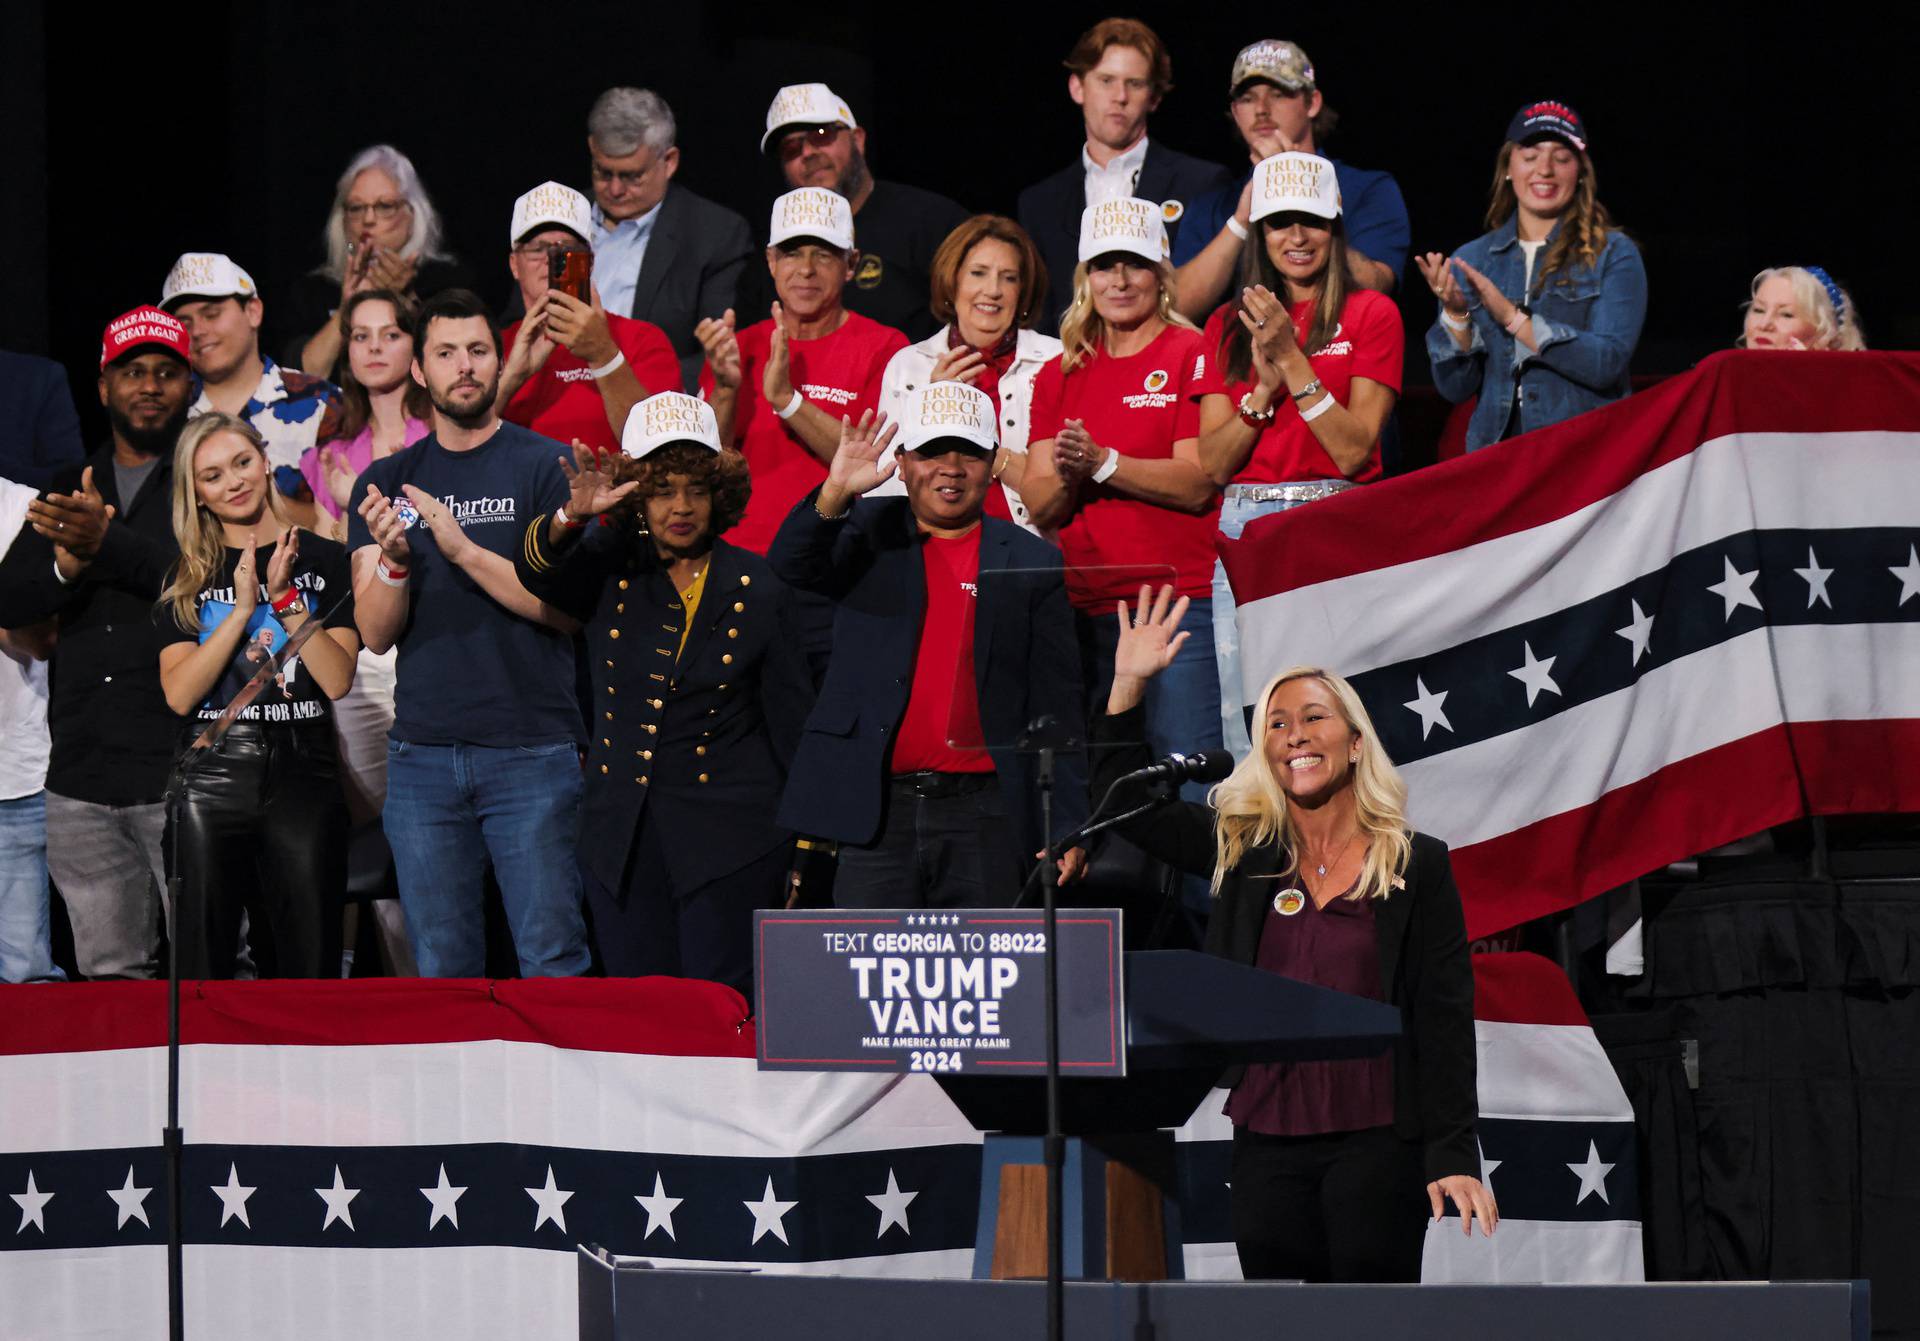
x,y
617,255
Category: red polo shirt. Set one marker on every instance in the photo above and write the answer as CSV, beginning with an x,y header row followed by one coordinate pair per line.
x,y
563,402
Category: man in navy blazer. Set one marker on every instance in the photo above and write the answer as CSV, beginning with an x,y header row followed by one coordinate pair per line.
x,y
1118,72
911,763
39,429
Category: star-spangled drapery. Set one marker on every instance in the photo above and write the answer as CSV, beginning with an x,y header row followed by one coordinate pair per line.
x,y
1612,643
475,1132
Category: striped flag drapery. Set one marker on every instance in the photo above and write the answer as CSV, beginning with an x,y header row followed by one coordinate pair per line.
x,y
374,1160
1613,643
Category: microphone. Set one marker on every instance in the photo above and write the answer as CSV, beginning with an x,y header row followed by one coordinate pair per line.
x,y
1204,766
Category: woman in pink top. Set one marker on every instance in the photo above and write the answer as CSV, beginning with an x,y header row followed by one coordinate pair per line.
x,y
385,408
385,411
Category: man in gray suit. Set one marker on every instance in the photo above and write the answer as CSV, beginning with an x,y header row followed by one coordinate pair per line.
x,y
660,252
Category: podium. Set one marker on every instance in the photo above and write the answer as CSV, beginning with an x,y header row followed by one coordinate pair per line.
x,y
1188,1017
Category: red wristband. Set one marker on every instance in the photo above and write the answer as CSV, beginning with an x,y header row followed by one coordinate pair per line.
x,y
282,604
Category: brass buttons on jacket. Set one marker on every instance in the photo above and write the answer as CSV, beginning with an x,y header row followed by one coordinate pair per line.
x,y
745,581
613,633
739,607
652,730
603,768
620,609
700,749
623,584
703,777
654,703
646,754
733,633
726,658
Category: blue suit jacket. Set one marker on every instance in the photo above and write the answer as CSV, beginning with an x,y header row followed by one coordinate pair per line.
x,y
1050,210
39,429
1026,665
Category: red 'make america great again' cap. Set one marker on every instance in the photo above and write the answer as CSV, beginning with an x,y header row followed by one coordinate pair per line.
x,y
143,326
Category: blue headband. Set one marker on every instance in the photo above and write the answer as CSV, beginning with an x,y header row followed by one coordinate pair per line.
x,y
1833,291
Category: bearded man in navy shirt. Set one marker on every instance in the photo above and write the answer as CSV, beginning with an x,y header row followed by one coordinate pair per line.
x,y
483,762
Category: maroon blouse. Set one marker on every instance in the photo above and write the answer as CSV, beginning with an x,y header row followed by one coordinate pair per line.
x,y
1335,947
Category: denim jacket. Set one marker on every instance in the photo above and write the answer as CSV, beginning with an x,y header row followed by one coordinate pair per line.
x,y
1586,322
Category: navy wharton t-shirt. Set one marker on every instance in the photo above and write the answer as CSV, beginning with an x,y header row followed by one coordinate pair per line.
x,y
469,671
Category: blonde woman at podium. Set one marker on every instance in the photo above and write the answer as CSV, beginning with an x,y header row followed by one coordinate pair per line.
x,y
1337,1165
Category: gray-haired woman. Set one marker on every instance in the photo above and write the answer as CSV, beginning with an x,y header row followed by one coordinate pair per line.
x,y
382,233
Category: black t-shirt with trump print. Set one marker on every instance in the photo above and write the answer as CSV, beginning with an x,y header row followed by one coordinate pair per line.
x,y
323,580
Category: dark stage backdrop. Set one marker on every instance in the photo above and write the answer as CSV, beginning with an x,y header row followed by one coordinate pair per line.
x,y
1721,144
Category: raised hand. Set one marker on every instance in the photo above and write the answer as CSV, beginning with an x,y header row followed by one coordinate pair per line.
x,y
1150,635
590,487
1075,454
389,532
280,567
246,581
857,467
1436,270
390,270
722,348
1498,305
964,364
76,522
776,381
581,327
448,534
1270,332
533,344
338,474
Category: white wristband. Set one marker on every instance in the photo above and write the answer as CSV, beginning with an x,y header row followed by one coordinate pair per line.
x,y
380,571
792,407
1237,228
1107,467
609,368
1452,322
1325,403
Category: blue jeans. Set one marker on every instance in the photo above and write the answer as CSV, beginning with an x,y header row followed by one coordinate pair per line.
x,y
1236,689
25,952
453,808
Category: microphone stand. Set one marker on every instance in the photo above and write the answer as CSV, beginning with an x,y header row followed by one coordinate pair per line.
x,y
172,1138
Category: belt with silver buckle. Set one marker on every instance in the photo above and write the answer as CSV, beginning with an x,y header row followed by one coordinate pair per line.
x,y
1304,492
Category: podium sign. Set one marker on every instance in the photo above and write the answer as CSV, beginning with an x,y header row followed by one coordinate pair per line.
x,y
942,992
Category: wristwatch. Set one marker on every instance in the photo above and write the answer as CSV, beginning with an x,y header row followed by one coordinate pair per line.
x,y
1311,389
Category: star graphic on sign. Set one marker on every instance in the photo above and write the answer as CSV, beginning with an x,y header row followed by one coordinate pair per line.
x,y
1816,579
339,1199
659,1208
767,1213
1639,633
1593,1175
1487,1166
33,1206
1537,676
1736,588
129,1200
233,1198
551,1201
893,1205
1429,706
446,1201
1909,575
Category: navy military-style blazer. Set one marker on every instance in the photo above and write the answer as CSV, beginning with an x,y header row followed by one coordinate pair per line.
x,y
1026,664
695,741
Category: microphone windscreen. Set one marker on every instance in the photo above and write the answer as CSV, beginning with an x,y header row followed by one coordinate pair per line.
x,y
1211,765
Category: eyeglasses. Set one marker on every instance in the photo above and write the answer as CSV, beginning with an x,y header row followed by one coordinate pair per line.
x,y
607,176
797,142
382,210
534,251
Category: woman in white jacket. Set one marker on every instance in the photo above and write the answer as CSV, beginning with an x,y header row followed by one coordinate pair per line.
x,y
988,286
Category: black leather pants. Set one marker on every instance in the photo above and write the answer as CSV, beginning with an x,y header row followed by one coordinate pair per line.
x,y
262,828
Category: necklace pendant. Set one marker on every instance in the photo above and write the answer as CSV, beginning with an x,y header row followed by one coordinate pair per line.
x,y
1320,869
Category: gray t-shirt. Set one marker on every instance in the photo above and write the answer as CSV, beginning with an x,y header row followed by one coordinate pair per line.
x,y
129,479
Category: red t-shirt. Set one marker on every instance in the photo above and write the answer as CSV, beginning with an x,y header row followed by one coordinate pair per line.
x,y
1140,406
840,373
943,711
562,401
1367,343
